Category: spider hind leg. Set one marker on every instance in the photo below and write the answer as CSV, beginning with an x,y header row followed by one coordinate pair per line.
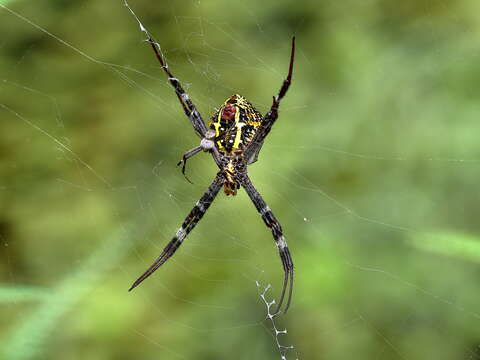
x,y
271,221
188,224
288,278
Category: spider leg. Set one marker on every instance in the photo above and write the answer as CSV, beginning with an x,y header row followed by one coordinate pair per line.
x,y
189,223
251,152
280,241
187,104
186,156
188,107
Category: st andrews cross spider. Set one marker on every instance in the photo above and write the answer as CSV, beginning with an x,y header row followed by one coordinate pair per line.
x,y
234,137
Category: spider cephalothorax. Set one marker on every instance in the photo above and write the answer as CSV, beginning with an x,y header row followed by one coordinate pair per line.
x,y
234,138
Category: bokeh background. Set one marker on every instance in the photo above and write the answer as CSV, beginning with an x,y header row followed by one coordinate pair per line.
x,y
372,170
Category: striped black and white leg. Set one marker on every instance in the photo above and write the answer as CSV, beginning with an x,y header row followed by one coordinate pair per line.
x,y
189,223
272,115
274,225
187,104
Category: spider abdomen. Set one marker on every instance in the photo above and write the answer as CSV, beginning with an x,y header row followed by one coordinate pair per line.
x,y
235,124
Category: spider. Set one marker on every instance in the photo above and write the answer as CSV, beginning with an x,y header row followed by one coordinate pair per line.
x,y
234,138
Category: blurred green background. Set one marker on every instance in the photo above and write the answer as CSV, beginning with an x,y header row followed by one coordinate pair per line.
x,y
372,169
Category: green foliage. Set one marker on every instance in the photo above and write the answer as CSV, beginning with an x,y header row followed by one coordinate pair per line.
x,y
17,293
451,244
30,336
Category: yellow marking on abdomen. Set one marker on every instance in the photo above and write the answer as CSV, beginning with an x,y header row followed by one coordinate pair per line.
x,y
217,129
238,125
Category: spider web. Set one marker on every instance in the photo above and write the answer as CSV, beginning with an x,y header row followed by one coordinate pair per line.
x,y
372,169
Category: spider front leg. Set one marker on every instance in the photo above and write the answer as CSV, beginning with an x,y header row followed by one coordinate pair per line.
x,y
251,152
207,144
188,106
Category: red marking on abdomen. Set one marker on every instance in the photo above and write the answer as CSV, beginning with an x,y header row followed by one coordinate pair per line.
x,y
228,112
